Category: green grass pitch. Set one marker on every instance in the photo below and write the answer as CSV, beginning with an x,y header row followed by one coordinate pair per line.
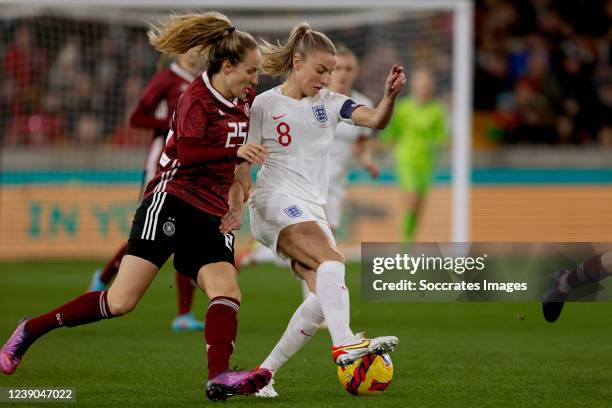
x,y
450,354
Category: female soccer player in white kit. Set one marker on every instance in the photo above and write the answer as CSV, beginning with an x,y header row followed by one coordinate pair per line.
x,y
296,122
349,142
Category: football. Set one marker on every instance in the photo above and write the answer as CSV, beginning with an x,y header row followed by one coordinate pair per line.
x,y
370,374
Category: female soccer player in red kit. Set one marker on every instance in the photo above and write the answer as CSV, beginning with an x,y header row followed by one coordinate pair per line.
x,y
191,205
154,111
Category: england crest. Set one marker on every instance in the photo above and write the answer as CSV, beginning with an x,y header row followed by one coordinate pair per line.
x,y
320,113
293,211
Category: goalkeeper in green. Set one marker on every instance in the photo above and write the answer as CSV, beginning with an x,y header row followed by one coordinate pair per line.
x,y
418,130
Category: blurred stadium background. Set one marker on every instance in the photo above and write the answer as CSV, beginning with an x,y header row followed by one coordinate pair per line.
x,y
539,158
540,140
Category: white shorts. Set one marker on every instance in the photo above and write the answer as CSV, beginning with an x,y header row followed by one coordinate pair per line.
x,y
270,213
333,208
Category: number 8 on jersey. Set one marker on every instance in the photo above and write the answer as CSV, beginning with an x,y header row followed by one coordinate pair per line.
x,y
284,138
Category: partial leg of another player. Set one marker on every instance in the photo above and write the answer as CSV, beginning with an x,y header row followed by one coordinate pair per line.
x,y
185,319
308,244
220,282
301,328
414,180
412,205
593,270
134,277
102,277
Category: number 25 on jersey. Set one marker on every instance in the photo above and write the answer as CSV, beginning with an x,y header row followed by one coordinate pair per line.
x,y
237,130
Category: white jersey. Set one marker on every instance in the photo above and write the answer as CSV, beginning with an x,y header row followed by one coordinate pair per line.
x,y
298,134
341,153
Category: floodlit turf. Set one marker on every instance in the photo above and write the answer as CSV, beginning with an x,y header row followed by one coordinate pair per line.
x,y
451,354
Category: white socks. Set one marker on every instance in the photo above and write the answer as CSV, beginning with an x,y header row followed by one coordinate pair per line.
x,y
303,325
333,297
330,304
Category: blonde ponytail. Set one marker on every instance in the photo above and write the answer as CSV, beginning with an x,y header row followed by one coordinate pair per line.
x,y
177,34
212,34
278,59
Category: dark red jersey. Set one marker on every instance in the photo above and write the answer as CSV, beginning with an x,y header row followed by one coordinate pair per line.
x,y
200,154
159,98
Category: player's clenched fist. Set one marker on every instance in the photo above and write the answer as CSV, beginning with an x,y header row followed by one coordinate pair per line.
x,y
395,81
253,153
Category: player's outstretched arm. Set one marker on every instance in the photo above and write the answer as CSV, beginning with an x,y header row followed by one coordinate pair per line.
x,y
379,117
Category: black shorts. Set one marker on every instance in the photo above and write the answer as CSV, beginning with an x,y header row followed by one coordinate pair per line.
x,y
164,225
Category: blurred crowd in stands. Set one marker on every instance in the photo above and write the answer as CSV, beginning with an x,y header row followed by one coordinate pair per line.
x,y
542,69
62,88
